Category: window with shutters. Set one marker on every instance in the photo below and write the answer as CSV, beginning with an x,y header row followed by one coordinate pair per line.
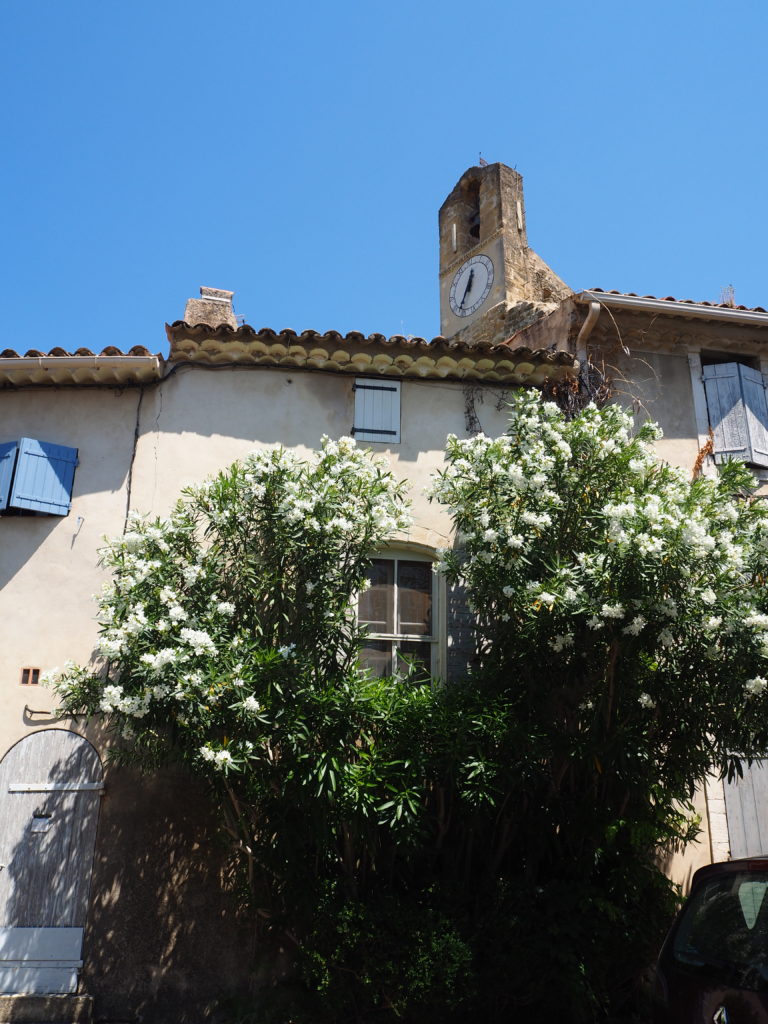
x,y
36,477
738,412
377,410
398,609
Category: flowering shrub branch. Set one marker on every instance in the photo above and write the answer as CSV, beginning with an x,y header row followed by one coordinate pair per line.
x,y
228,639
606,580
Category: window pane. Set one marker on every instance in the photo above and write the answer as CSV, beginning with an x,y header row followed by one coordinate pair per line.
x,y
375,607
414,582
419,655
376,656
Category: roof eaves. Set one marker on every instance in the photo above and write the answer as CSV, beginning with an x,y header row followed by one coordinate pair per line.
x,y
112,368
670,306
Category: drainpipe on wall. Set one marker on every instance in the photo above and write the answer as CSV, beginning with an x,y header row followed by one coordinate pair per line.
x,y
586,329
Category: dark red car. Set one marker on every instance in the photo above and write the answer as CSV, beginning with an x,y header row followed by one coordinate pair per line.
x,y
713,967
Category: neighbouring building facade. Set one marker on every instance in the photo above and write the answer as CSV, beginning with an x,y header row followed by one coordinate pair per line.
x,y
114,885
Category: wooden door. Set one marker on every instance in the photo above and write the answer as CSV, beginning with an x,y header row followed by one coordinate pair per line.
x,y
50,784
746,805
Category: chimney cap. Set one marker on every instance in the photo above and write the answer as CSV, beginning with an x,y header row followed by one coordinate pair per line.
x,y
216,293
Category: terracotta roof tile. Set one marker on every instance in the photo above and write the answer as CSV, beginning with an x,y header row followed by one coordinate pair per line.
x,y
351,353
355,352
245,333
58,352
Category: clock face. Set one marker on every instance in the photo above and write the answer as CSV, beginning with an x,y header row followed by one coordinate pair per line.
x,y
471,285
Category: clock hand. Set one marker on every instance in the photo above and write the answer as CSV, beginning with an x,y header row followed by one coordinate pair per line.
x,y
468,288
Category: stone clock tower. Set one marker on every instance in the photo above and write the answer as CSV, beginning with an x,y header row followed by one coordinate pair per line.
x,y
491,283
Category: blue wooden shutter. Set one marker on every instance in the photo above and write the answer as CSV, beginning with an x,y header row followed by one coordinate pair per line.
x,y
7,462
44,476
738,412
377,411
756,411
727,416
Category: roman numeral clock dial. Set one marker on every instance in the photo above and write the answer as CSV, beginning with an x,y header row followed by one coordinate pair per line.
x,y
471,285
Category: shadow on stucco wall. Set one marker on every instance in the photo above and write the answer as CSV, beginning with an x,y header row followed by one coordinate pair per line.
x,y
165,941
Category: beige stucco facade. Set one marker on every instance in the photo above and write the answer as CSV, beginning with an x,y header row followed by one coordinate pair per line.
x,y
140,447
159,871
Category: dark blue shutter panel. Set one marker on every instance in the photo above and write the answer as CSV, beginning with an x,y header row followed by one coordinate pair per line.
x,y
44,476
727,416
756,409
7,461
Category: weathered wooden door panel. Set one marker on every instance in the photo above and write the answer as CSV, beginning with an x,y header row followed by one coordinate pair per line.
x,y
746,805
37,960
50,783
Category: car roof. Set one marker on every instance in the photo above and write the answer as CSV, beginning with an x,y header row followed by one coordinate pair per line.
x,y
729,867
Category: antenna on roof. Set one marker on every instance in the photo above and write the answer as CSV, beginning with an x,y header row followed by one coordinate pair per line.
x,y
728,296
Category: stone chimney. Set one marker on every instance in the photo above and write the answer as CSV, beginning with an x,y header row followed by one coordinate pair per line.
x,y
214,307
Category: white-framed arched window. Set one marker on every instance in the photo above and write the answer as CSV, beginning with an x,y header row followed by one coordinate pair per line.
x,y
400,610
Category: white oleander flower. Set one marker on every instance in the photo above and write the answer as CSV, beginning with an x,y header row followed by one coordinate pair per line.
x,y
158,661
198,640
132,541
635,627
559,643
110,698
111,646
754,687
191,573
612,611
666,639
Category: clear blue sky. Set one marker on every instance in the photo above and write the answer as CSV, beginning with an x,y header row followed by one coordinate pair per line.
x,y
297,153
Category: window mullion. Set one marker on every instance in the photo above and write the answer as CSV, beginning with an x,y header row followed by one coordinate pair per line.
x,y
396,601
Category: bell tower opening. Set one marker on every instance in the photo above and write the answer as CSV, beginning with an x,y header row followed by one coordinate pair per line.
x,y
474,213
